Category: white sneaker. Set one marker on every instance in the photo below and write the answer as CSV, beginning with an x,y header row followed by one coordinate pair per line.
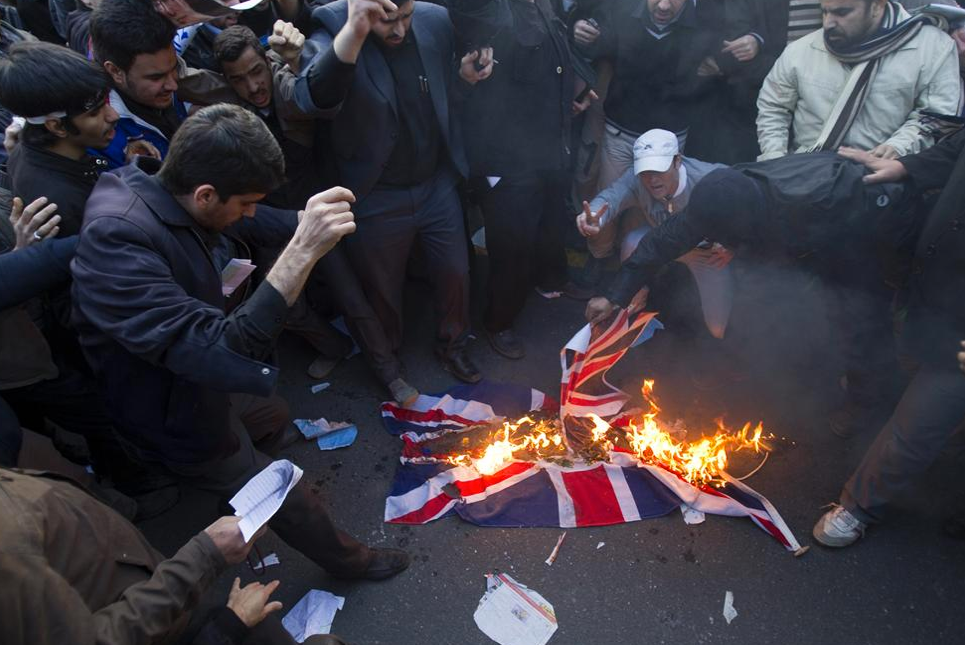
x,y
838,528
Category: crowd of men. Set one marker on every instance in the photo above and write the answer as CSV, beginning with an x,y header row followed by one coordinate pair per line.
x,y
155,149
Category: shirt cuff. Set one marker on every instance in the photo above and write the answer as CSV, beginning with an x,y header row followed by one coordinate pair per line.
x,y
329,80
760,38
266,310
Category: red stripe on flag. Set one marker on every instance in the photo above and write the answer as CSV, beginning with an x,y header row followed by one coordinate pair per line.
x,y
769,526
414,416
594,501
426,512
597,400
476,486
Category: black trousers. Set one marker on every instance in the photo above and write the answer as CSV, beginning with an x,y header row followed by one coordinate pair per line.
x,y
525,220
302,521
334,276
11,436
389,220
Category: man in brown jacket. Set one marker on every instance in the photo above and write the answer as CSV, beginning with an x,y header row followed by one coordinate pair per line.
x,y
74,571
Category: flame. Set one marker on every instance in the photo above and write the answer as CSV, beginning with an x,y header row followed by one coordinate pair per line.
x,y
699,462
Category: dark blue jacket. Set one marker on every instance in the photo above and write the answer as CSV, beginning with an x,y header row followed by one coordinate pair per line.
x,y
151,317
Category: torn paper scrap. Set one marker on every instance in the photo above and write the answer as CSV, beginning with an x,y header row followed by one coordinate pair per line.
x,y
318,387
512,614
234,274
729,612
600,545
263,495
338,438
315,428
312,615
556,550
692,515
269,560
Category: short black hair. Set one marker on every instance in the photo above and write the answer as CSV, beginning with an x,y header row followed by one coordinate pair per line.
x,y
231,43
225,146
39,78
120,30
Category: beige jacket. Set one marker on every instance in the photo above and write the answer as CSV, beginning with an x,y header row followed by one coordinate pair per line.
x,y
801,89
74,571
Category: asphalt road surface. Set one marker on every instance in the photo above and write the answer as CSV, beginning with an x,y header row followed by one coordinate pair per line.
x,y
653,581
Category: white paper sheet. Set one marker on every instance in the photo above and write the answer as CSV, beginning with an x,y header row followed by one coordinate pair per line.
x,y
692,515
263,495
313,614
512,614
729,612
234,274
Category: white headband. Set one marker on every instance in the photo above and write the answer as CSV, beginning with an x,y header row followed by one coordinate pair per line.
x,y
40,120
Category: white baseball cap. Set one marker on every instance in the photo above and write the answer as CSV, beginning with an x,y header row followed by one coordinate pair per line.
x,y
654,150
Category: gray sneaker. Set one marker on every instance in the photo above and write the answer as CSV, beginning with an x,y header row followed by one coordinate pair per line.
x,y
838,528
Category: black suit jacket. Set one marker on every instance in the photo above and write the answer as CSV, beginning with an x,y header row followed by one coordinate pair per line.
x,y
366,122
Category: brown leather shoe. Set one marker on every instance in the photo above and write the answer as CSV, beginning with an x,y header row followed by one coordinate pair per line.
x,y
385,563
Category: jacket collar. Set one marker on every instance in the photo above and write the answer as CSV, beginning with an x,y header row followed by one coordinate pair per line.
x,y
87,166
140,178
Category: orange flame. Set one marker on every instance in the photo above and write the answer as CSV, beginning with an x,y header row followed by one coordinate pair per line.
x,y
647,438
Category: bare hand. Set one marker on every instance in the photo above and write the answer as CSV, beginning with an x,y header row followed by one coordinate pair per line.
x,y
639,300
961,357
743,49
709,67
327,218
287,41
598,309
581,106
882,170
584,33
470,71
884,151
588,222
226,535
250,603
11,136
35,223
140,148
362,14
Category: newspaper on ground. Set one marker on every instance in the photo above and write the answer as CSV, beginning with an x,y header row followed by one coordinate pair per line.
x,y
328,435
263,495
512,614
312,615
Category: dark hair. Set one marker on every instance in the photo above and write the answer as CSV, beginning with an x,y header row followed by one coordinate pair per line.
x,y
39,78
231,43
225,146
120,30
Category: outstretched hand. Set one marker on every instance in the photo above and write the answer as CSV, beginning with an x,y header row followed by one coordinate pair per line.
x,y
599,309
588,222
882,170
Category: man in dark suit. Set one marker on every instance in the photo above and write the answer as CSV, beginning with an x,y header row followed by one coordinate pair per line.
x,y
389,68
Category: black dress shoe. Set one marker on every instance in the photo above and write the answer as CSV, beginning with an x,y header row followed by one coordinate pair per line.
x,y
385,563
277,442
506,343
458,364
